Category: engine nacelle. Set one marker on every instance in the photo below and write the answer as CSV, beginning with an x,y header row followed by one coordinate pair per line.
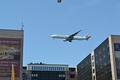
x,y
64,40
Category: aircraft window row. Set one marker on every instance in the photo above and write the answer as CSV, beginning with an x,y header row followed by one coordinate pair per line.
x,y
37,68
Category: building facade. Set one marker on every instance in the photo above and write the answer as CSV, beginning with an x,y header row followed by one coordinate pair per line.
x,y
24,73
11,53
105,60
84,71
101,66
40,71
72,74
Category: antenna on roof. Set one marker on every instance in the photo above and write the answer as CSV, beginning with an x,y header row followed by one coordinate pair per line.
x,y
22,26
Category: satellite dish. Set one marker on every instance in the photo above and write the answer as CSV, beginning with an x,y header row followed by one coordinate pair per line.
x,y
59,1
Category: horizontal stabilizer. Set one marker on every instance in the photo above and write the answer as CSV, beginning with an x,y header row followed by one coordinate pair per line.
x,y
87,36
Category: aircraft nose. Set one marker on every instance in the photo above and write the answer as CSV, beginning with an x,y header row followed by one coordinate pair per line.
x,y
52,36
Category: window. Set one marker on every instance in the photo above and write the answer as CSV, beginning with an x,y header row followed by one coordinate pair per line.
x,y
108,61
100,59
37,68
103,48
108,53
107,45
61,75
32,67
62,68
55,68
96,55
93,77
104,63
34,75
51,68
104,56
93,70
72,76
96,61
89,60
99,52
93,57
92,63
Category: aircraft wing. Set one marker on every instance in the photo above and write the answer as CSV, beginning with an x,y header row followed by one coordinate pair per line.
x,y
70,38
74,34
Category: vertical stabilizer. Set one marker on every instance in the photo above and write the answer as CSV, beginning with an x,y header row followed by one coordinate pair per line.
x,y
87,36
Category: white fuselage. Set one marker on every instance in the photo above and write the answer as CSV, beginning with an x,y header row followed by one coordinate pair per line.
x,y
66,36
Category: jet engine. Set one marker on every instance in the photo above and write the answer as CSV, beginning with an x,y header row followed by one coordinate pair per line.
x,y
64,40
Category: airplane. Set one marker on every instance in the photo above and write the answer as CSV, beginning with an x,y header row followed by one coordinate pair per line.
x,y
71,37
59,1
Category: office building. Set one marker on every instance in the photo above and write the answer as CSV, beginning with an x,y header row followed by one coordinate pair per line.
x,y
41,71
105,61
84,71
24,73
72,74
11,53
54,71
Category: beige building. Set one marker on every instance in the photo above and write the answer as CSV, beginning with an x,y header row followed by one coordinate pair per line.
x,y
104,61
114,43
11,52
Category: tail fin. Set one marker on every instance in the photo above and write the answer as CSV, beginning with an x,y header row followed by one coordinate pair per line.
x,y
87,36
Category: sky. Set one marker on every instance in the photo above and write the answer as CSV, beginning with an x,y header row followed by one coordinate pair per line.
x,y
42,18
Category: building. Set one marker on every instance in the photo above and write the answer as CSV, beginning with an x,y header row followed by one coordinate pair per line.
x,y
84,71
41,71
11,52
101,66
24,73
72,74
105,61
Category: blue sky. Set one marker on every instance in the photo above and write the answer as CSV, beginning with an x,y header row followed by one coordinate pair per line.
x,y
42,18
